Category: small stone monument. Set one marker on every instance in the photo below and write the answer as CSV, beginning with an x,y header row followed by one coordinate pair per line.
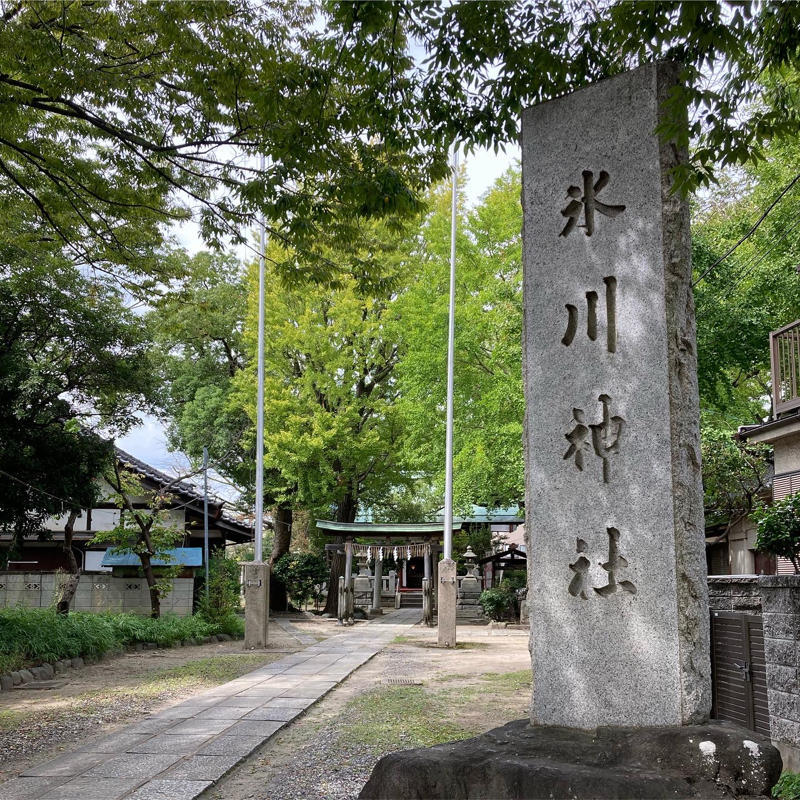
x,y
617,587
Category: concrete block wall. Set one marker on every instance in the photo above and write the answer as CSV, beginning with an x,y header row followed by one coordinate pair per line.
x,y
97,592
734,593
780,599
776,598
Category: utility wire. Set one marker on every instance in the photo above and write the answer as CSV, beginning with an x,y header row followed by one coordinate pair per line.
x,y
750,232
733,280
36,488
751,264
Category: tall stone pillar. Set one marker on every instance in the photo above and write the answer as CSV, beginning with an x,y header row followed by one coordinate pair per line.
x,y
618,597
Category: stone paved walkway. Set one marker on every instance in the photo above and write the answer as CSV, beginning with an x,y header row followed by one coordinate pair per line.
x,y
179,752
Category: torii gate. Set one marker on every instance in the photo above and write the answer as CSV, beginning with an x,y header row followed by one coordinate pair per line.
x,y
409,539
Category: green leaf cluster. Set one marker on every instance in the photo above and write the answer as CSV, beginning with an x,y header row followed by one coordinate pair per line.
x,y
779,529
488,396
300,572
787,787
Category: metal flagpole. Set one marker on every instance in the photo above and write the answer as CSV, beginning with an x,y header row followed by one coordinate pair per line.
x,y
448,480
256,573
447,594
259,521
205,513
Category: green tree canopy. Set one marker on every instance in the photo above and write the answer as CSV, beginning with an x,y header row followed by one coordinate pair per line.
x,y
488,400
71,357
331,428
755,290
120,117
485,61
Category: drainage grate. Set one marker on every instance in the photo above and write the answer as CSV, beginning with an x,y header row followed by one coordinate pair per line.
x,y
401,682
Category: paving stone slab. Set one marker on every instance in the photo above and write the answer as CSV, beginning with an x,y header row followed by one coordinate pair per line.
x,y
179,712
134,765
274,714
196,725
231,746
93,789
240,702
290,702
68,765
202,768
262,728
152,725
225,712
179,744
309,688
27,788
115,743
162,789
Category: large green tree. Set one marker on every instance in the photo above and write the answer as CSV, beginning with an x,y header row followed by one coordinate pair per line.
x,y
752,290
488,397
71,358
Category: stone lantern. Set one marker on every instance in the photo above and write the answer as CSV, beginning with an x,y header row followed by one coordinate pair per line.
x,y
470,588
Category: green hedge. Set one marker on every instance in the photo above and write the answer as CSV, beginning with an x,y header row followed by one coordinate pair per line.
x,y
30,636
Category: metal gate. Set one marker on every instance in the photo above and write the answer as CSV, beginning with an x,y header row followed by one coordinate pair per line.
x,y
738,669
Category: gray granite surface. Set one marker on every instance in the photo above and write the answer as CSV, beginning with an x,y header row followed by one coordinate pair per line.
x,y
617,595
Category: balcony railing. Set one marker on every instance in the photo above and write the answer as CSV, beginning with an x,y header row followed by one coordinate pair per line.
x,y
785,357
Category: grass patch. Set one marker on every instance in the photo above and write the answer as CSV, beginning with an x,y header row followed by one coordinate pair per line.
x,y
198,674
30,636
788,787
401,717
9,720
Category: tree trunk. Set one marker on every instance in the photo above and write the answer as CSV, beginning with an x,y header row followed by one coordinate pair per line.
x,y
71,586
155,598
278,600
345,512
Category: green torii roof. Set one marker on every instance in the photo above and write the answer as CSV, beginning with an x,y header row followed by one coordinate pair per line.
x,y
377,529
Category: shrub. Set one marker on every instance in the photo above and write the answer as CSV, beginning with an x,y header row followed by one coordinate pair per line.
x,y
223,590
497,603
779,529
299,572
788,787
31,636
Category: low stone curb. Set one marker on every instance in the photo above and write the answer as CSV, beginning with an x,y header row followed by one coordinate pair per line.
x,y
48,670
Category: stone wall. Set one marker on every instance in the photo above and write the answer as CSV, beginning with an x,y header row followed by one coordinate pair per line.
x,y
96,592
780,600
734,593
776,598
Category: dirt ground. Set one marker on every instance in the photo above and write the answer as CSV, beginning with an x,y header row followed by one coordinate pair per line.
x,y
329,753
90,702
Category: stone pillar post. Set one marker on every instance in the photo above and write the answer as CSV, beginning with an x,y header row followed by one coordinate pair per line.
x,y
447,603
376,589
780,603
348,581
256,604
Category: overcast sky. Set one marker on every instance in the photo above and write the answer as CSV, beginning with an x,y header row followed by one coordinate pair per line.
x,y
148,441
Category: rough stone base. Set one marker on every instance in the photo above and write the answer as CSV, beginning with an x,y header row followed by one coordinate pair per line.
x,y
519,761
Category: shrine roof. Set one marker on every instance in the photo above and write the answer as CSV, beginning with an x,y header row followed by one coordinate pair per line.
x,y
403,529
